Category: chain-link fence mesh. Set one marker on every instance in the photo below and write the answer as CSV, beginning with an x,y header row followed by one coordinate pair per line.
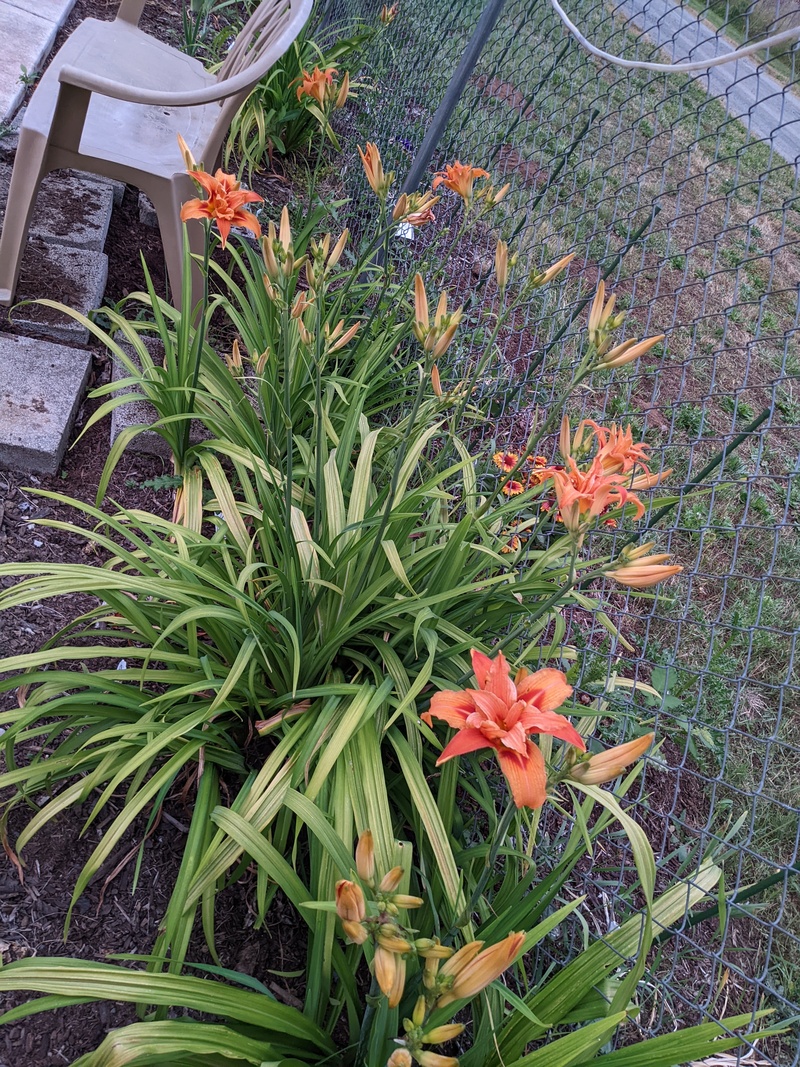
x,y
681,190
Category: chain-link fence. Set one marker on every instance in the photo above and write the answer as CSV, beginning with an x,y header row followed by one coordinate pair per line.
x,y
681,190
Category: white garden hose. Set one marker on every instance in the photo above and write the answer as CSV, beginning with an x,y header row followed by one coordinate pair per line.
x,y
791,34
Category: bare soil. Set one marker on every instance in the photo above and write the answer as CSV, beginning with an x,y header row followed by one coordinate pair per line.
x,y
116,916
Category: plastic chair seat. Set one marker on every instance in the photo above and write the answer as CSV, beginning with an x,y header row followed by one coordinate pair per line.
x,y
134,136
113,101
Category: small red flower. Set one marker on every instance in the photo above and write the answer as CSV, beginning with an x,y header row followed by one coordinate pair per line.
x,y
506,461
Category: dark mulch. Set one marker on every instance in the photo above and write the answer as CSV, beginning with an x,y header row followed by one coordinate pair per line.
x,y
116,916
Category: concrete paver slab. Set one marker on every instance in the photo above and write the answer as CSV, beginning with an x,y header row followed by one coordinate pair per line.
x,y
142,413
71,209
41,385
74,276
33,37
54,10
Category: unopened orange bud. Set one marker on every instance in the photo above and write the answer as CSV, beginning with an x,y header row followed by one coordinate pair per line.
x,y
390,974
357,932
436,381
440,1034
401,1057
350,903
365,857
391,881
433,1059
605,766
474,971
344,91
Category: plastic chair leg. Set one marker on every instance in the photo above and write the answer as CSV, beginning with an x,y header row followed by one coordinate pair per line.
x,y
29,169
167,201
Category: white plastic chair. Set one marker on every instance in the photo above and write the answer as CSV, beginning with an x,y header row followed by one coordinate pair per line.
x,y
112,102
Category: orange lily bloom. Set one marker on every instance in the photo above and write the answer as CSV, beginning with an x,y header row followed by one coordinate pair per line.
x,y
472,970
459,177
223,205
500,714
316,85
583,495
604,766
618,453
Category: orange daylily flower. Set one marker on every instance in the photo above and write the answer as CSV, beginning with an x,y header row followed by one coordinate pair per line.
x,y
618,454
500,714
583,495
223,205
459,177
316,85
472,970
604,766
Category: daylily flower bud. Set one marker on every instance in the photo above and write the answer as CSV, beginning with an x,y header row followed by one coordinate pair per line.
x,y
338,248
418,1015
357,932
628,351
373,169
391,881
433,1059
188,158
400,207
474,970
402,900
345,338
344,91
430,949
605,766
401,1057
394,944
552,272
436,381
234,360
261,362
645,574
271,291
440,1034
421,320
501,265
390,974
365,857
388,14
350,903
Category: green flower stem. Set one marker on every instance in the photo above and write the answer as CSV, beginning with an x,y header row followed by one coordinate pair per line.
x,y
366,1023
489,863
199,341
401,455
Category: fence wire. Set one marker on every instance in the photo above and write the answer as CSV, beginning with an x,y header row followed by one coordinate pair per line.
x,y
682,191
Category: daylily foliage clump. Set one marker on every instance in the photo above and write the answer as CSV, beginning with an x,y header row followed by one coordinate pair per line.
x,y
338,582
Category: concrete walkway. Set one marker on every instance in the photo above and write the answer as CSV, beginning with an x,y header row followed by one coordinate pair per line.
x,y
28,29
42,382
769,110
